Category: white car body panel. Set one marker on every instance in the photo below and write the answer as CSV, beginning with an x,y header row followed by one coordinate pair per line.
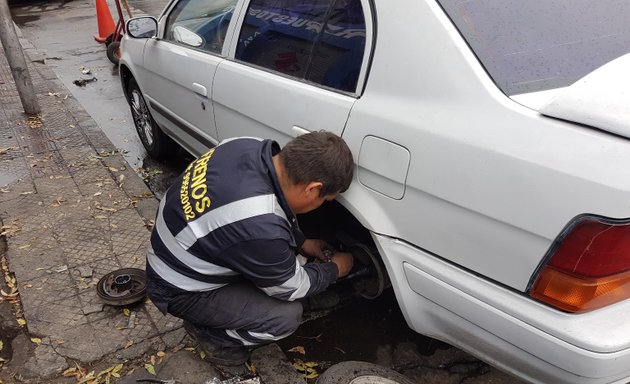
x,y
471,189
503,326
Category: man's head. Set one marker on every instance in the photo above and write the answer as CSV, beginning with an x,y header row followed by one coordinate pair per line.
x,y
317,166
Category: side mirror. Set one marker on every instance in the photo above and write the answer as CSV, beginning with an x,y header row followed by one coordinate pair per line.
x,y
142,27
186,36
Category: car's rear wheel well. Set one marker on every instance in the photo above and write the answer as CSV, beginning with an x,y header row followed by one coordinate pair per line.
x,y
341,229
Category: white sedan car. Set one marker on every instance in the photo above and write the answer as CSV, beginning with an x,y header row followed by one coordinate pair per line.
x,y
491,140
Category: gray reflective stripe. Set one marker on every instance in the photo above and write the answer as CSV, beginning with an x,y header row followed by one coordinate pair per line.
x,y
299,285
226,215
268,336
263,336
189,260
176,278
233,334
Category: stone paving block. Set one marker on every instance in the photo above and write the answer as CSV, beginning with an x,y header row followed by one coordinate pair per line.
x,y
135,259
128,231
12,171
33,140
46,164
81,343
90,301
114,334
89,171
163,323
99,268
25,205
79,225
46,362
86,251
174,338
147,208
77,155
55,186
49,311
69,139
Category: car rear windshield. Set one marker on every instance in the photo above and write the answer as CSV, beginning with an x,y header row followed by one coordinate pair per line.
x,y
535,45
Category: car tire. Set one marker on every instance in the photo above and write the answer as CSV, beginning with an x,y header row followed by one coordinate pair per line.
x,y
359,372
153,139
113,52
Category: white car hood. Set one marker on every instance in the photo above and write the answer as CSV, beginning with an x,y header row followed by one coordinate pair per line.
x,y
600,99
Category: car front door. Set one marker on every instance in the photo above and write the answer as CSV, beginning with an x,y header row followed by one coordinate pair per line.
x,y
296,66
180,67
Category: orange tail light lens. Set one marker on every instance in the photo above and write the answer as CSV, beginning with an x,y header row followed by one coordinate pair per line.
x,y
588,267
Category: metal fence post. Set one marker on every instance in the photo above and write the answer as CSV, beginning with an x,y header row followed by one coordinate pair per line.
x,y
17,62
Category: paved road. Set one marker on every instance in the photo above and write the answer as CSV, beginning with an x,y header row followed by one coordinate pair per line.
x,y
63,32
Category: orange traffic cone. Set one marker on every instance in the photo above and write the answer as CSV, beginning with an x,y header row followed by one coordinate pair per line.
x,y
106,25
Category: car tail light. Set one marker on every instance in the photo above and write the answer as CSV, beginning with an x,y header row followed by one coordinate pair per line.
x,y
588,266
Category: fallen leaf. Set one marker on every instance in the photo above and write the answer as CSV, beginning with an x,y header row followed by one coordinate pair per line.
x,y
202,354
21,322
70,372
1,345
298,349
113,169
129,344
152,359
36,340
251,367
28,285
150,369
24,246
312,375
161,354
126,312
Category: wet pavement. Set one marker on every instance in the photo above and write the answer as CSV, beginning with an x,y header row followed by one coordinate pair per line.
x,y
63,33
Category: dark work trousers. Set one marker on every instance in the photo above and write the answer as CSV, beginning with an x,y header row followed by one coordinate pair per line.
x,y
237,314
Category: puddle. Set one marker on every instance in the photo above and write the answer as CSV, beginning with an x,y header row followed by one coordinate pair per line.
x,y
356,332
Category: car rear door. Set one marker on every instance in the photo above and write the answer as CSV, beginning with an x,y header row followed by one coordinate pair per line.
x,y
180,67
296,66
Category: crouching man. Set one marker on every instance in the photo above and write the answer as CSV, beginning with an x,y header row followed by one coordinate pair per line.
x,y
224,249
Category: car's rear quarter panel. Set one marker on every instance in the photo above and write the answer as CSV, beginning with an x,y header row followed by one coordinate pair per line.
x,y
491,183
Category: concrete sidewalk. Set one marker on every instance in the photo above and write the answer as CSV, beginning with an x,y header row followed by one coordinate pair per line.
x,y
73,210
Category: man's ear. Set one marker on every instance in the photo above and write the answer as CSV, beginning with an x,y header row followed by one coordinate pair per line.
x,y
313,188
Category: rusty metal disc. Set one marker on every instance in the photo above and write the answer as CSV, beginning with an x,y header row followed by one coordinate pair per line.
x,y
122,287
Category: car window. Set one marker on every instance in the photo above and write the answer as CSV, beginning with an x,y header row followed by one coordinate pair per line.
x,y
529,46
322,41
200,23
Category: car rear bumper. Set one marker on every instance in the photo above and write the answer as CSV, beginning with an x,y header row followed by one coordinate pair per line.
x,y
506,328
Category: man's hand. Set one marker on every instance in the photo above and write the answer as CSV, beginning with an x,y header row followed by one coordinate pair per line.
x,y
344,261
317,248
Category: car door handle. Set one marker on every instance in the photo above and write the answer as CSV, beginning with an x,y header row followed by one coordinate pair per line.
x,y
297,131
200,89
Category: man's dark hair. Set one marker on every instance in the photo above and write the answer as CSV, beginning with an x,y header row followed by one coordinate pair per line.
x,y
319,156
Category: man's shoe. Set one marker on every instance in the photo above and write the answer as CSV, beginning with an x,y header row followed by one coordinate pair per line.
x,y
230,356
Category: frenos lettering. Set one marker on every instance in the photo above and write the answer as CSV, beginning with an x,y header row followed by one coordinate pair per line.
x,y
194,190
